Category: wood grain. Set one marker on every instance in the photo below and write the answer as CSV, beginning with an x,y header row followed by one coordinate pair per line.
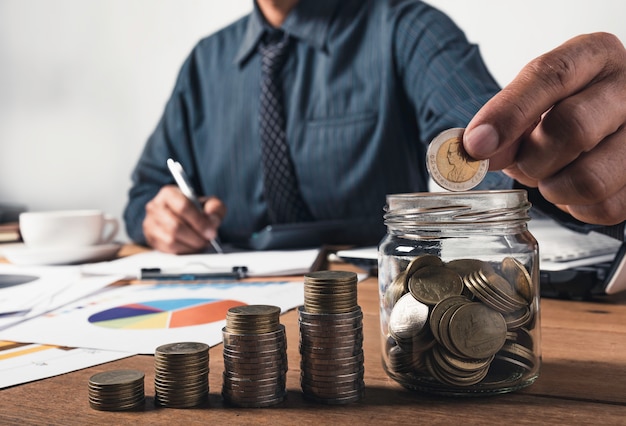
x,y
582,381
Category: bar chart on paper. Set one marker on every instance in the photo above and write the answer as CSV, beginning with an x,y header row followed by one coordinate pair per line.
x,y
169,313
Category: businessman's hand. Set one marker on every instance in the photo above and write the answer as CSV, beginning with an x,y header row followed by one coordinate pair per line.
x,y
174,225
559,126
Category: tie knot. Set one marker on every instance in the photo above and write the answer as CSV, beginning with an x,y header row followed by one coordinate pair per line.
x,y
274,37
273,48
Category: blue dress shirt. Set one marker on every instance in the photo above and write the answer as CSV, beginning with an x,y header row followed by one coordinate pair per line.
x,y
367,85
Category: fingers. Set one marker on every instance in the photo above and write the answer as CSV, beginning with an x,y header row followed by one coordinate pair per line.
x,y
594,185
574,67
174,225
575,126
215,211
559,126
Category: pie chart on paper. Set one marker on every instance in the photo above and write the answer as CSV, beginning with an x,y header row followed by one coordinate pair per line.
x,y
170,313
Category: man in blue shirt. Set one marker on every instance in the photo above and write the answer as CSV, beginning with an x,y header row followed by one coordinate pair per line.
x,y
366,85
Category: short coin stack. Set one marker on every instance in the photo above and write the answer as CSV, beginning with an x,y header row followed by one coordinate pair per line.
x,y
331,338
181,374
255,357
116,390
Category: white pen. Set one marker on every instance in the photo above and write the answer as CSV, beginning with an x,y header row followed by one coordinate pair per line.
x,y
181,180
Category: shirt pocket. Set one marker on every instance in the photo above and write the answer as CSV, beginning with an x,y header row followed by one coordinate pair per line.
x,y
336,159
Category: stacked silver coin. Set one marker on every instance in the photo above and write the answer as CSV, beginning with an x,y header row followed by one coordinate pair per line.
x,y
255,357
116,390
181,374
462,322
331,338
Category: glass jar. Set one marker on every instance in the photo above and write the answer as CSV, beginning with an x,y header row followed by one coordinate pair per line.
x,y
459,293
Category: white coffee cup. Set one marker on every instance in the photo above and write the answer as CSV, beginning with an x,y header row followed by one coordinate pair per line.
x,y
67,228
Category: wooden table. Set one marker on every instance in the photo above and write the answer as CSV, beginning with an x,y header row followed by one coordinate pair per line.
x,y
582,381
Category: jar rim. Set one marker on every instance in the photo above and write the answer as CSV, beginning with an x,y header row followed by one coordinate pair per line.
x,y
468,207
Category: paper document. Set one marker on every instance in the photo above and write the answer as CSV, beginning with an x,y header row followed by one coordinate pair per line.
x,y
140,317
25,362
26,292
258,263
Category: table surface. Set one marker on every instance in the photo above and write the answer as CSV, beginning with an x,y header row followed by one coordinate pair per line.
x,y
582,381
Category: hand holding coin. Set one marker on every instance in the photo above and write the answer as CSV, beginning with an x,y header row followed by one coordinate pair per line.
x,y
450,166
560,126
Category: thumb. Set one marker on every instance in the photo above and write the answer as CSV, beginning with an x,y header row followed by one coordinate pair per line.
x,y
497,128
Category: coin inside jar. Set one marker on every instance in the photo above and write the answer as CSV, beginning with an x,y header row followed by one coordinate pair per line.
x,y
408,317
450,166
469,258
477,331
517,274
432,284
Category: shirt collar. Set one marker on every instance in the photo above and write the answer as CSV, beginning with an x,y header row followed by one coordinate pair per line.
x,y
308,22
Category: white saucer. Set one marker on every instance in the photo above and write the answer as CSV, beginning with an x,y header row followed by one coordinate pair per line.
x,y
23,255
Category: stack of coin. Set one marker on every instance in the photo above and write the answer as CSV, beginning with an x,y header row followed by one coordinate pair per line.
x,y
517,351
116,390
253,319
255,357
181,374
331,339
330,292
470,334
462,322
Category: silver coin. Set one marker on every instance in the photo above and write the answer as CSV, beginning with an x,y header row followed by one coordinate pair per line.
x,y
408,317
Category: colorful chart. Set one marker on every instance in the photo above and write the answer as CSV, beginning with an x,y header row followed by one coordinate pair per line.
x,y
171,313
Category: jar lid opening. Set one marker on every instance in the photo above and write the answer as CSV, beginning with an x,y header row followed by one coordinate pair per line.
x,y
471,207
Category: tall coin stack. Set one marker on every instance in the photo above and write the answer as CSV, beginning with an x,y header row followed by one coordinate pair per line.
x,y
116,390
331,338
255,357
181,374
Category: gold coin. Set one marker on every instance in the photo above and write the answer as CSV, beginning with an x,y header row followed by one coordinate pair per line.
x,y
254,311
503,289
517,354
515,272
353,317
445,377
480,286
421,262
477,331
464,267
330,277
440,308
253,319
456,363
450,166
401,360
518,318
444,329
432,284
117,378
395,291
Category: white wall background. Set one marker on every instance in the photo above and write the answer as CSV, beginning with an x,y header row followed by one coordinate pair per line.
x,y
83,83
